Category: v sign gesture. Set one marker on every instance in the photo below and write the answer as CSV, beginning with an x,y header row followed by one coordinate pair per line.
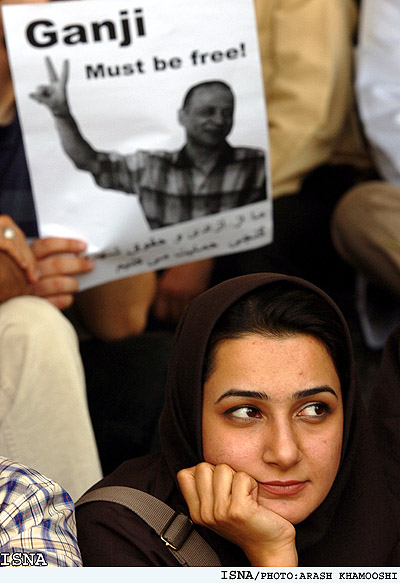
x,y
54,95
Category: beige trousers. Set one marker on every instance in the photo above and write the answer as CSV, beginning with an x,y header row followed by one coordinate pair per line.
x,y
44,418
366,232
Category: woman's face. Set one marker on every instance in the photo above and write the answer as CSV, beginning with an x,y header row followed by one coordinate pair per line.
x,y
273,409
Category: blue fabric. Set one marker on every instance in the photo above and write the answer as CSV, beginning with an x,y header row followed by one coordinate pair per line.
x,y
37,522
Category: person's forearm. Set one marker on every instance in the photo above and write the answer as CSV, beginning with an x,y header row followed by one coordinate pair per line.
x,y
77,148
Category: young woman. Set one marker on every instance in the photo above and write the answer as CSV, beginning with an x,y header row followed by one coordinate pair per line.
x,y
264,437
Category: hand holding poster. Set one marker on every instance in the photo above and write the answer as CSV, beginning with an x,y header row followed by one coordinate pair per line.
x,y
145,131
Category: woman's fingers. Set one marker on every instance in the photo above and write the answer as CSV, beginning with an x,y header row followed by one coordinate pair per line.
x,y
197,487
225,501
207,491
224,476
244,487
221,498
204,479
187,484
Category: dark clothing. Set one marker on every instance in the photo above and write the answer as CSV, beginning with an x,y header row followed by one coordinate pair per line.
x,y
172,189
358,524
125,383
384,410
302,243
130,542
16,197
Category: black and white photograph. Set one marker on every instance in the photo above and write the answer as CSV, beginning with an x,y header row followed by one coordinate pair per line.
x,y
206,176
155,153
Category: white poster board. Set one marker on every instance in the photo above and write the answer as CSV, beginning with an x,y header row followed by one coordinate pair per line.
x,y
130,65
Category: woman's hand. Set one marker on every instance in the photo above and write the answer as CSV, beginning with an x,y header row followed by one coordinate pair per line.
x,y
58,261
226,502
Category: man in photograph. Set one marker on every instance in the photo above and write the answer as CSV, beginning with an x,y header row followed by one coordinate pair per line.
x,y
206,176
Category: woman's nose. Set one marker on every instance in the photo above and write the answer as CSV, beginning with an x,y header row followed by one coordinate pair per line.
x,y
281,445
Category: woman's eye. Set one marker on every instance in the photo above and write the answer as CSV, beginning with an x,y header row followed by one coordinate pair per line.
x,y
314,410
244,413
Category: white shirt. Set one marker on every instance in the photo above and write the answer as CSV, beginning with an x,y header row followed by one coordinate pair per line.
x,y
378,82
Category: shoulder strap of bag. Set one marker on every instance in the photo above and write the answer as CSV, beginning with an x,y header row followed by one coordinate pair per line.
x,y
175,529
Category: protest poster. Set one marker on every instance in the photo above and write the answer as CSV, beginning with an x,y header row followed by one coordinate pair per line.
x,y
115,156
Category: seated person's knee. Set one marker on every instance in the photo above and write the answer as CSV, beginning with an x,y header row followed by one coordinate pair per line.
x,y
117,309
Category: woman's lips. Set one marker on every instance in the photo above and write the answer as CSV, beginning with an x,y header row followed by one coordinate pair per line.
x,y
289,488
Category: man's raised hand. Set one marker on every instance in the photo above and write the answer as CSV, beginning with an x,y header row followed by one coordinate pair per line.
x,y
54,95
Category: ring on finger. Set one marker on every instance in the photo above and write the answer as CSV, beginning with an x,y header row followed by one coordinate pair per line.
x,y
9,232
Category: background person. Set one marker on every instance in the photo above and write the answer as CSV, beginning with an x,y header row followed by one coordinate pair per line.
x,y
36,516
316,152
315,148
264,439
44,418
366,222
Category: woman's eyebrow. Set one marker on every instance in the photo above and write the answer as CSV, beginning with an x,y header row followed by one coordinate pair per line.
x,y
261,395
241,393
314,391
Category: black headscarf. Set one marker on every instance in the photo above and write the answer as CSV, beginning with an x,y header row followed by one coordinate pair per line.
x,y
358,524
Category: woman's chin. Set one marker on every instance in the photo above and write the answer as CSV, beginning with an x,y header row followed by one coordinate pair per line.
x,y
291,510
